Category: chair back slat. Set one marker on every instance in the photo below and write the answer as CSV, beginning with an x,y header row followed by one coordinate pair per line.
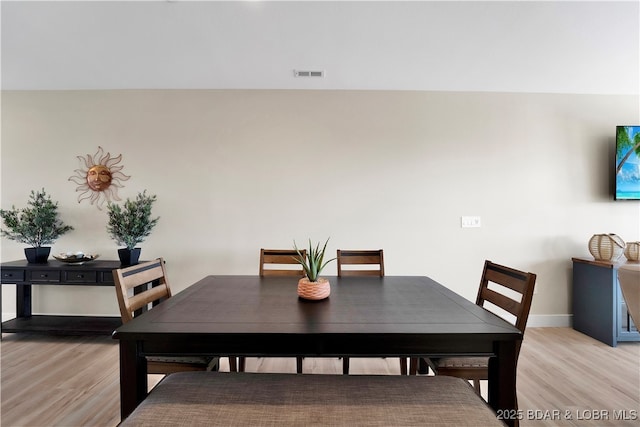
x,y
129,278
149,296
273,262
502,301
345,273
360,258
517,301
507,277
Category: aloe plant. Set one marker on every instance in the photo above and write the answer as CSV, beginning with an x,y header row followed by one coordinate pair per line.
x,y
314,262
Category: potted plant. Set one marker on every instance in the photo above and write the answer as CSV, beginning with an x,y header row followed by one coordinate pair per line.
x,y
130,225
312,286
36,225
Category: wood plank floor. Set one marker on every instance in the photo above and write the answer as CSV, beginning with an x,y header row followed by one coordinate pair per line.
x,y
562,374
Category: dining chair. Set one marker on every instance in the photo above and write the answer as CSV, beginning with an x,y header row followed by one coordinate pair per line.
x,y
366,262
506,292
280,262
629,279
362,263
135,296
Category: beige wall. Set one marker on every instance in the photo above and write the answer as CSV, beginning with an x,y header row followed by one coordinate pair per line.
x,y
238,170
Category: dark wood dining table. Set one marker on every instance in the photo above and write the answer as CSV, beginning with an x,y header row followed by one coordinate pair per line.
x,y
392,316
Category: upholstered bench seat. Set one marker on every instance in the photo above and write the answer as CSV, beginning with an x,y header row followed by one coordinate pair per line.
x,y
264,399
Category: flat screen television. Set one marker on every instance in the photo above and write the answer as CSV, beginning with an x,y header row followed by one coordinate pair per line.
x,y
627,163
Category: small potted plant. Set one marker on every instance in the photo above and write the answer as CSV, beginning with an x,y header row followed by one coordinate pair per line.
x,y
312,286
36,225
130,225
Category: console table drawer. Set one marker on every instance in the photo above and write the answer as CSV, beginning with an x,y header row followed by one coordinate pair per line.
x,y
107,277
12,276
80,276
44,276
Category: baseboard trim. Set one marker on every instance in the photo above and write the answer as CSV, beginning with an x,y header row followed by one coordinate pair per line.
x,y
550,320
8,316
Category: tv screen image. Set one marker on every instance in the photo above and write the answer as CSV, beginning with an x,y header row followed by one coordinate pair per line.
x,y
627,163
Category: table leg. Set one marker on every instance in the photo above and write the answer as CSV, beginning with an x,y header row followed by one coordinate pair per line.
x,y
23,300
133,377
23,303
423,368
503,397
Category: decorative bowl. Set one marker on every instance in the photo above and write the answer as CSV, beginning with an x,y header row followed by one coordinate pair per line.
x,y
77,258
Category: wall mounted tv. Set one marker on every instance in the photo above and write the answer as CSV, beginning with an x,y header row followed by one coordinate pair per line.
x,y
627,163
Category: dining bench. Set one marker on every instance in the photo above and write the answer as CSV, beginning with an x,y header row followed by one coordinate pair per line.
x,y
274,399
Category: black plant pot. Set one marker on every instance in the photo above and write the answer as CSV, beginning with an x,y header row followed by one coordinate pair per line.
x,y
129,256
38,255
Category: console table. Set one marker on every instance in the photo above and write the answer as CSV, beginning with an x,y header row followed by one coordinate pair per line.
x,y
599,309
55,273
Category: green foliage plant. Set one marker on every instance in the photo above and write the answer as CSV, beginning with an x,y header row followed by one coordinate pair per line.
x,y
36,225
626,146
132,223
314,262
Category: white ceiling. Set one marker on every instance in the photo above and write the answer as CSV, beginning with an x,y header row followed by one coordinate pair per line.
x,y
510,46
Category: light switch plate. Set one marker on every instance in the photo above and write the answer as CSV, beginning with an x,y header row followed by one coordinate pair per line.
x,y
470,222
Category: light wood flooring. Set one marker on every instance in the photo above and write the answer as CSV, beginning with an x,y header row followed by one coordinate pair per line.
x,y
565,378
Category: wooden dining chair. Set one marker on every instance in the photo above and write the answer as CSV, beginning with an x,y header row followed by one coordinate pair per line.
x,y
511,292
629,279
280,262
136,296
362,263
366,262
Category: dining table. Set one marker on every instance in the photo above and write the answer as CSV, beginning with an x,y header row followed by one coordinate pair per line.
x,y
250,315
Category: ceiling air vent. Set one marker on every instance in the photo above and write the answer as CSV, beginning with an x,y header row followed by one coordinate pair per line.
x,y
305,73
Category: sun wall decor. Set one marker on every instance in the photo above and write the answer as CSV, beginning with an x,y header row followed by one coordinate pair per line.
x,y
99,177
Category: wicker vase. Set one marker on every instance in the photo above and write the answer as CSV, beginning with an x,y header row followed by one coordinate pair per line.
x,y
632,251
606,247
313,290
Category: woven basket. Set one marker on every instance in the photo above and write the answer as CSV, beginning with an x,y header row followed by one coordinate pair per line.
x,y
606,247
313,290
632,251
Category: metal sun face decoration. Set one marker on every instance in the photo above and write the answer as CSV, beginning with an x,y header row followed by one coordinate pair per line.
x,y
100,178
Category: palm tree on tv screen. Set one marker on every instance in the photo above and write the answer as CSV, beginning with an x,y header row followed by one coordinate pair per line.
x,y
627,144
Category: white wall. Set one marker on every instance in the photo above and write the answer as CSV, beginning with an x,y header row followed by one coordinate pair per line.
x,y
238,170
496,46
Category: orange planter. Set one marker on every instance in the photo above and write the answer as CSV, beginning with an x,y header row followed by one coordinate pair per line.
x,y
313,290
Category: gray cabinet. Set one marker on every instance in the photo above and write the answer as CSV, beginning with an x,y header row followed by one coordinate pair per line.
x,y
599,309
